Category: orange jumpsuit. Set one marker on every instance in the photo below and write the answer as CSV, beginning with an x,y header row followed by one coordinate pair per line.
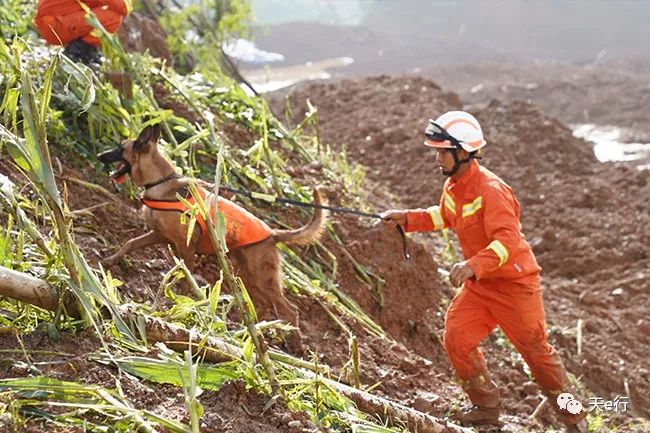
x,y
242,227
505,291
61,21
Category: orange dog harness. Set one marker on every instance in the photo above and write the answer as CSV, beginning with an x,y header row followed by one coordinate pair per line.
x,y
242,227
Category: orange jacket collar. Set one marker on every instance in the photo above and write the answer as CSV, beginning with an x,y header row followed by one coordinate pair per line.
x,y
467,177
464,185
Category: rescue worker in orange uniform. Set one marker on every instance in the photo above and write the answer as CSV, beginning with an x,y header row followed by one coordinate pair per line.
x,y
500,276
63,22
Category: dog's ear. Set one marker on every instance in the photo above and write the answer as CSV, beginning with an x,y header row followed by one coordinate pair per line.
x,y
148,136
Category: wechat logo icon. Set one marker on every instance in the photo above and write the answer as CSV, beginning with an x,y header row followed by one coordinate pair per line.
x,y
569,403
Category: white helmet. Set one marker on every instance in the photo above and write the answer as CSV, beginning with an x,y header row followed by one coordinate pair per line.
x,y
458,125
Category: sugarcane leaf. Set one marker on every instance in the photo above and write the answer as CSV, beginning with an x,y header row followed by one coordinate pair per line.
x,y
165,371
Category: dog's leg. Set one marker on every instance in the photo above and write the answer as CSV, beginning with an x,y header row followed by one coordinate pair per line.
x,y
145,240
259,268
289,311
189,258
271,282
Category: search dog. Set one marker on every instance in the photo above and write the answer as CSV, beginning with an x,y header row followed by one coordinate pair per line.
x,y
257,261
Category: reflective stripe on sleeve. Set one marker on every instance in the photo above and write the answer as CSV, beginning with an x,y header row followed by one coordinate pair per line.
x,y
500,250
436,217
449,203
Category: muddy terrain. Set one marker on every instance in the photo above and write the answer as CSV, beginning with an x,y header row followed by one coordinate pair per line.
x,y
578,64
587,222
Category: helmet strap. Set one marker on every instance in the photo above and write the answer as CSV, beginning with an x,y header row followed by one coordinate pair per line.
x,y
459,162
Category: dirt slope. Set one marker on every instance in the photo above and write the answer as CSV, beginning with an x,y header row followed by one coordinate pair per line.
x,y
587,221
584,219
409,315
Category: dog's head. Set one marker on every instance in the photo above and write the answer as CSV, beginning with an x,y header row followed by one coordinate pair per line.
x,y
132,155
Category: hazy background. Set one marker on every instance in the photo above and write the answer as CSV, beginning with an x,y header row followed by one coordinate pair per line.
x,y
397,36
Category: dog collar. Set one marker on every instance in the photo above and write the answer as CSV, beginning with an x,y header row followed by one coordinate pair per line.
x,y
163,180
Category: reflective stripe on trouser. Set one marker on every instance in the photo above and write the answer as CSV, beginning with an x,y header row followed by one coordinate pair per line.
x,y
518,310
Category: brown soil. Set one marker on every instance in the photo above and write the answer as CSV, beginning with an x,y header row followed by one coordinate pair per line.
x,y
231,409
586,220
570,78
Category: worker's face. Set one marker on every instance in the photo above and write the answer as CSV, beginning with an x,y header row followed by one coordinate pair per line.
x,y
445,159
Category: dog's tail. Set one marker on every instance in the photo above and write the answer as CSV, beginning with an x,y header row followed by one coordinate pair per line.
x,y
308,233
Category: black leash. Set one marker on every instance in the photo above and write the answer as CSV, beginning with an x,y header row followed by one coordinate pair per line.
x,y
273,199
400,229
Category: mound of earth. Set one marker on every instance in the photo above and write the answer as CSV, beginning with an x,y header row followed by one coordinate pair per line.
x,y
587,79
587,221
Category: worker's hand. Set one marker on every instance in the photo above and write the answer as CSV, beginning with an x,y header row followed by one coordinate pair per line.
x,y
393,217
459,273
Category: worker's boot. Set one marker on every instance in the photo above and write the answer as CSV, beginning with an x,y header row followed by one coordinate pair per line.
x,y
476,415
481,390
484,394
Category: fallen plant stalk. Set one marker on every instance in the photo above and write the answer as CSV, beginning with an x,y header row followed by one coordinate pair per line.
x,y
32,290
216,350
90,186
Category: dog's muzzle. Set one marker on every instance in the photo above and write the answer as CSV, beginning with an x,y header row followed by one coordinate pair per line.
x,y
115,155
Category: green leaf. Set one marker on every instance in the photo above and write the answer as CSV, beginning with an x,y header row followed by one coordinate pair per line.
x,y
190,230
249,348
82,80
16,149
166,371
35,144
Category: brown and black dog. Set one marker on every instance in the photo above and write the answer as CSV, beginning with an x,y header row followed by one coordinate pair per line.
x,y
257,262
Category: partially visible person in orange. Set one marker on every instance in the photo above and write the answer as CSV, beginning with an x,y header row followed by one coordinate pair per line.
x,y
500,275
63,22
